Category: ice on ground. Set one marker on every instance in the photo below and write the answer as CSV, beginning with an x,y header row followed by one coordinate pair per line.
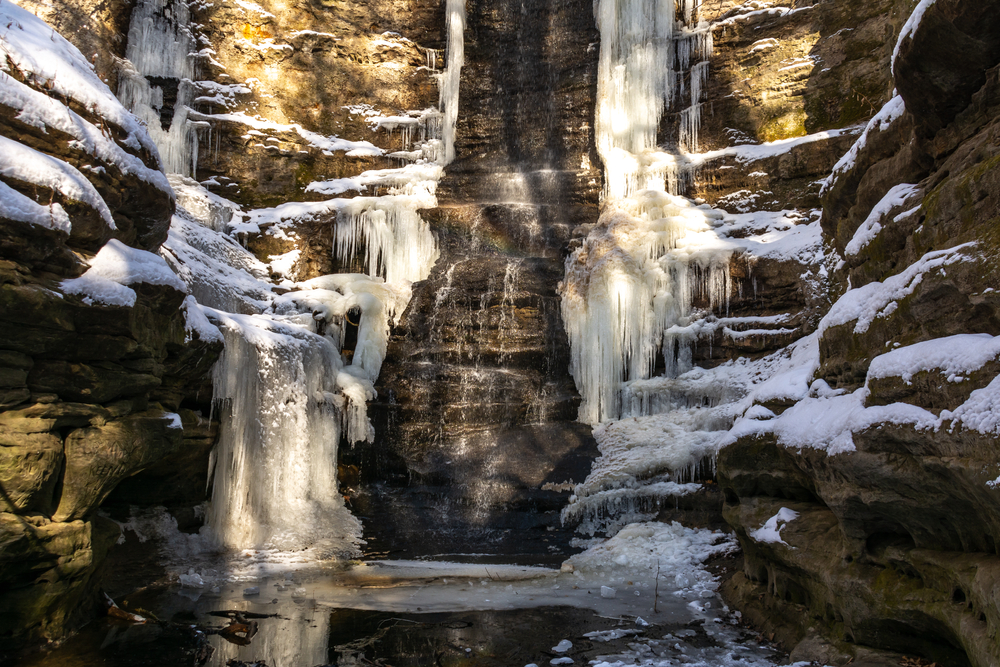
x,y
562,646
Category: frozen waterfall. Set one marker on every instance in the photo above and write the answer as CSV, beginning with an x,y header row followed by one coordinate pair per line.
x,y
289,387
630,288
652,269
155,80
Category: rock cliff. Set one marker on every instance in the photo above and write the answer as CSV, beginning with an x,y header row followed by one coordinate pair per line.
x,y
895,545
887,126
97,366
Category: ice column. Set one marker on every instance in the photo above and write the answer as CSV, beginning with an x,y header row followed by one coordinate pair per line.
x,y
450,78
629,292
157,75
631,287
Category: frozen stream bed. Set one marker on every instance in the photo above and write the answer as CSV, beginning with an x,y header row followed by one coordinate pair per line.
x,y
643,597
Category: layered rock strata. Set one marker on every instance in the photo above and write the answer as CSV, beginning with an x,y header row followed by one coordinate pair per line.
x,y
96,360
475,413
895,544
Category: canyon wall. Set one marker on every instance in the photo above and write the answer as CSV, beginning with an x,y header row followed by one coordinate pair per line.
x,y
895,542
894,546
99,370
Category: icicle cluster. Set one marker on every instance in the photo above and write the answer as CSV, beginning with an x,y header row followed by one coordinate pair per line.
x,y
160,45
630,288
397,242
645,52
288,391
286,394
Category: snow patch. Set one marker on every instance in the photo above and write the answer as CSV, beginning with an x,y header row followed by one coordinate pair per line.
x,y
770,532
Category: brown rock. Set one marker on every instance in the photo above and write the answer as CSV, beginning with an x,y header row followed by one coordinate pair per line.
x,y
99,457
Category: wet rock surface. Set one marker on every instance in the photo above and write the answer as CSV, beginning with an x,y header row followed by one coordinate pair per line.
x,y
476,445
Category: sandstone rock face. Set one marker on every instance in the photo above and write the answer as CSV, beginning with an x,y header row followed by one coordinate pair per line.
x,y
87,381
895,544
778,75
320,66
476,406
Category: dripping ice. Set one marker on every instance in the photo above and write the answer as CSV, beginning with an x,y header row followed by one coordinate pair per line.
x,y
286,393
630,290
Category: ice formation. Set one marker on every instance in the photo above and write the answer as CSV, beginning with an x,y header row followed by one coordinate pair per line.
x,y
286,393
653,277
288,385
159,47
275,465
646,51
630,290
449,79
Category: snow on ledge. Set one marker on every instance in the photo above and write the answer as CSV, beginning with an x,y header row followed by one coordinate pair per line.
x,y
747,153
48,59
954,356
18,207
23,163
879,299
892,110
770,532
116,267
316,140
196,322
869,229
